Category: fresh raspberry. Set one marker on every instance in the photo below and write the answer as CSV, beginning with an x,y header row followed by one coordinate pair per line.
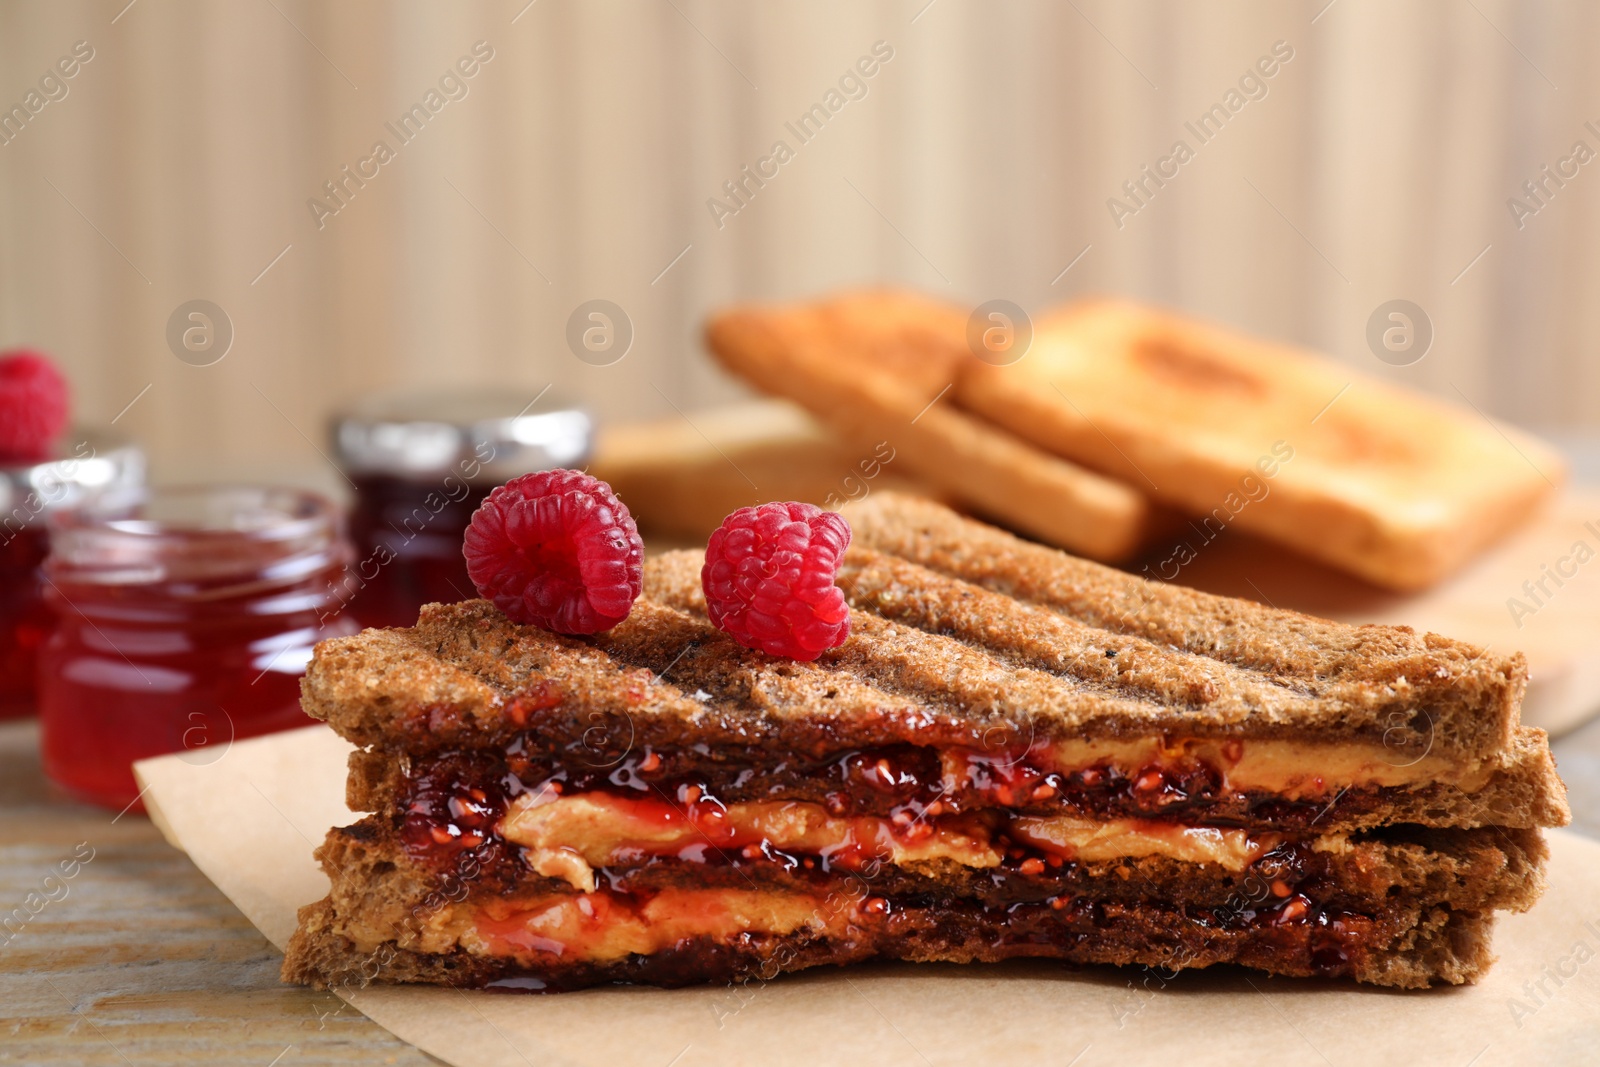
x,y
33,404
557,550
769,576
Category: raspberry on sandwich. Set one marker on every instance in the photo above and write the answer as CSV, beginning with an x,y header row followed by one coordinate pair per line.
x,y
558,550
768,579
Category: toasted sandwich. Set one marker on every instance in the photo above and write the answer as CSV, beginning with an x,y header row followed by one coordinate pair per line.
x,y
1015,754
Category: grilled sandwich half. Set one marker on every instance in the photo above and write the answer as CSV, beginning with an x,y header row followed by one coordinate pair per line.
x,y
1016,754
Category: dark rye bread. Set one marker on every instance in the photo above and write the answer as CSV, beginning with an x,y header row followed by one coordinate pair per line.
x,y
466,677
988,658
1439,948
1361,677
955,617
1406,948
1415,901
1036,643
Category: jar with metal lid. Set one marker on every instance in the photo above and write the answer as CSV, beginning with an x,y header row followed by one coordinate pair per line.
x,y
184,619
421,464
87,462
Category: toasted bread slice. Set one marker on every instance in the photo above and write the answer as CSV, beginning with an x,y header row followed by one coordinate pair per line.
x,y
1380,481
1408,949
389,918
874,367
683,475
991,646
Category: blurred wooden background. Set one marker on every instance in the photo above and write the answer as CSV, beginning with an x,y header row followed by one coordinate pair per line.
x,y
180,160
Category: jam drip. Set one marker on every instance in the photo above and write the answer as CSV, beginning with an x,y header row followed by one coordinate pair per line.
x,y
451,807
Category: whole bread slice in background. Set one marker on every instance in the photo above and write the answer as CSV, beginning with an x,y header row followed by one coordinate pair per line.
x,y
1385,483
875,368
684,474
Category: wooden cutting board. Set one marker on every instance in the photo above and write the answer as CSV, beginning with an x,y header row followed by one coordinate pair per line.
x,y
1556,627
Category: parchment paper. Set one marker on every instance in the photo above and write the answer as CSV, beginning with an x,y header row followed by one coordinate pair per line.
x,y
250,819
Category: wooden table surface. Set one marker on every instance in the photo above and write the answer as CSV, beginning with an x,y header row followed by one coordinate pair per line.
x,y
140,959
144,961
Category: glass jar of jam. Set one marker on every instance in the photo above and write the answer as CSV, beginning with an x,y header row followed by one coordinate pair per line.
x,y
85,462
421,465
183,620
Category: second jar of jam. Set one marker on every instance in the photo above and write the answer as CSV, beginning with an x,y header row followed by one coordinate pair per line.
x,y
184,619
421,465
84,462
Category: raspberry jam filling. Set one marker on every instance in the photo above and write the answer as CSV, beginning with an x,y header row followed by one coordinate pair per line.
x,y
467,806
511,815
455,801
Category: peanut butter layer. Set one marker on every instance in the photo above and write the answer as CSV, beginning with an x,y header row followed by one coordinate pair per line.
x,y
567,837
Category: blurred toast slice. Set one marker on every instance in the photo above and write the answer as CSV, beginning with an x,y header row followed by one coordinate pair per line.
x,y
683,475
1374,479
875,367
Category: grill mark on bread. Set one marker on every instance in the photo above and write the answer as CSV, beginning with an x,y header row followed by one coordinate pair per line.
x,y
960,649
1028,636
931,649
939,540
697,656
1334,682
891,662
1467,696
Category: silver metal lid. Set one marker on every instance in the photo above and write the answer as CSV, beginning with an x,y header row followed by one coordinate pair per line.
x,y
485,437
86,462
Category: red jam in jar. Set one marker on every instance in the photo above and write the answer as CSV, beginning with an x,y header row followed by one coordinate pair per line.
x,y
421,465
184,620
24,620
84,462
409,536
